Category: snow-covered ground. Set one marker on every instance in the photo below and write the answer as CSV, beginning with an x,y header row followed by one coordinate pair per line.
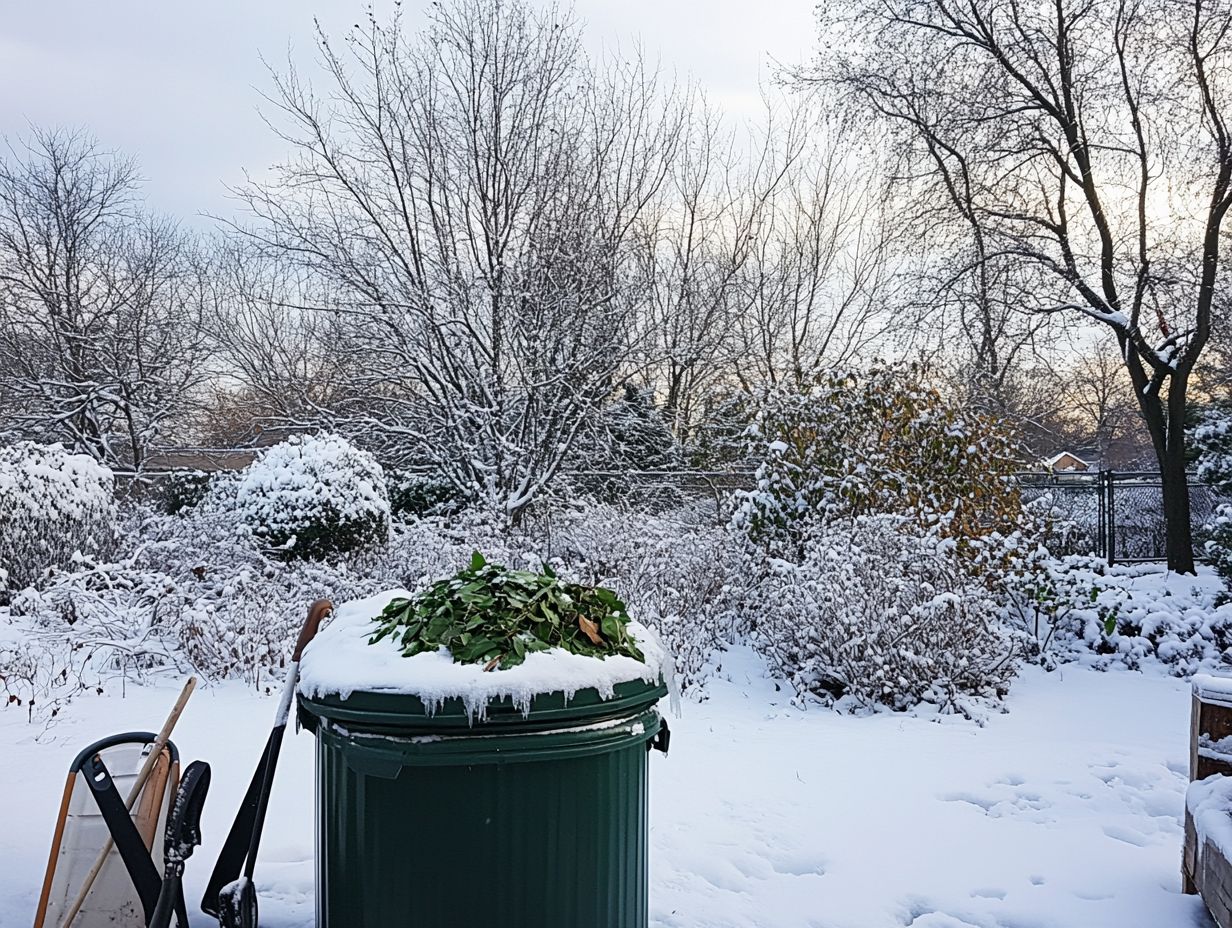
x,y
1064,811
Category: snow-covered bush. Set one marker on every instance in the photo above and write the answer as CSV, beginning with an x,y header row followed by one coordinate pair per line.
x,y
676,574
1212,440
190,592
850,445
884,529
1128,615
185,489
879,612
53,505
412,494
314,496
1217,540
1061,596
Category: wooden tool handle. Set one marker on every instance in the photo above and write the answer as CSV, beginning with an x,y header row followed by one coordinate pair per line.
x,y
316,613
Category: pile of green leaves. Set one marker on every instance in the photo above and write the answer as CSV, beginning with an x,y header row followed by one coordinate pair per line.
x,y
496,616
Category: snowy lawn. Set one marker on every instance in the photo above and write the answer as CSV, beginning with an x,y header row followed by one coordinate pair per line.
x,y
1066,811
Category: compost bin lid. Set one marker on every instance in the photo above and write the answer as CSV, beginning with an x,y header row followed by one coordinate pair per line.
x,y
344,677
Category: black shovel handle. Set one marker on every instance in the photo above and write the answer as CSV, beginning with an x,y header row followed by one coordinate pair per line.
x,y
182,834
245,835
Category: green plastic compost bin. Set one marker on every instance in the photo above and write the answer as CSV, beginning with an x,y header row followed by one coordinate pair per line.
x,y
432,820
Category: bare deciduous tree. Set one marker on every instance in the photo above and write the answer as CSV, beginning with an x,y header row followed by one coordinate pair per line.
x,y
102,306
469,200
815,290
279,358
1088,142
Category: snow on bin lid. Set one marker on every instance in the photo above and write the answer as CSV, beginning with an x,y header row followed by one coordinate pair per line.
x,y
1212,689
339,662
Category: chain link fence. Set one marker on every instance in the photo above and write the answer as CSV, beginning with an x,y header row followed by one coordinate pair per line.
x,y
1114,514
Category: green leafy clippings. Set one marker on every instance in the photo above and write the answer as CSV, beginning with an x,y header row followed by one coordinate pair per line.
x,y
491,615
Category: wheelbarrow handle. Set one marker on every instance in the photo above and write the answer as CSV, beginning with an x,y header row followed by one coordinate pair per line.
x,y
316,613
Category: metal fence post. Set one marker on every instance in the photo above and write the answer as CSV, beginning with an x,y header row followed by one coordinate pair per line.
x,y
1101,518
1111,508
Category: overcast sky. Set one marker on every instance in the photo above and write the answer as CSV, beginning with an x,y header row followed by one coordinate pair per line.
x,y
177,84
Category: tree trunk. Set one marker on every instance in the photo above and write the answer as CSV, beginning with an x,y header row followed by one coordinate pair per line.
x,y
1179,535
1179,544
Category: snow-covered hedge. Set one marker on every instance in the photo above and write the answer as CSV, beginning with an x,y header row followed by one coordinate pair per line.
x,y
879,613
190,592
314,496
53,505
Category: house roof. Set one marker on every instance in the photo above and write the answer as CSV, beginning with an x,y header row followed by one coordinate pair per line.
x,y
1061,455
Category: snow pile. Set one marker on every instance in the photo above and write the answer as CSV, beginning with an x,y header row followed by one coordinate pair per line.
x,y
313,496
1213,688
53,505
340,661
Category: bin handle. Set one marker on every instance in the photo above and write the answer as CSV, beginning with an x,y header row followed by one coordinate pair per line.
x,y
663,737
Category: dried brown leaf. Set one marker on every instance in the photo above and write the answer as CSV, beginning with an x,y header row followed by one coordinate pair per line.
x,y
590,629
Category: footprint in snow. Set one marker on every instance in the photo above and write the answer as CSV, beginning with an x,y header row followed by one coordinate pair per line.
x,y
1092,897
979,802
1128,835
988,893
798,865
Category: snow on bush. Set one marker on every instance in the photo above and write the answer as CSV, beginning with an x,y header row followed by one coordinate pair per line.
x,y
53,505
1217,540
1212,440
185,489
851,444
191,593
314,496
412,494
1080,608
883,514
675,574
878,613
